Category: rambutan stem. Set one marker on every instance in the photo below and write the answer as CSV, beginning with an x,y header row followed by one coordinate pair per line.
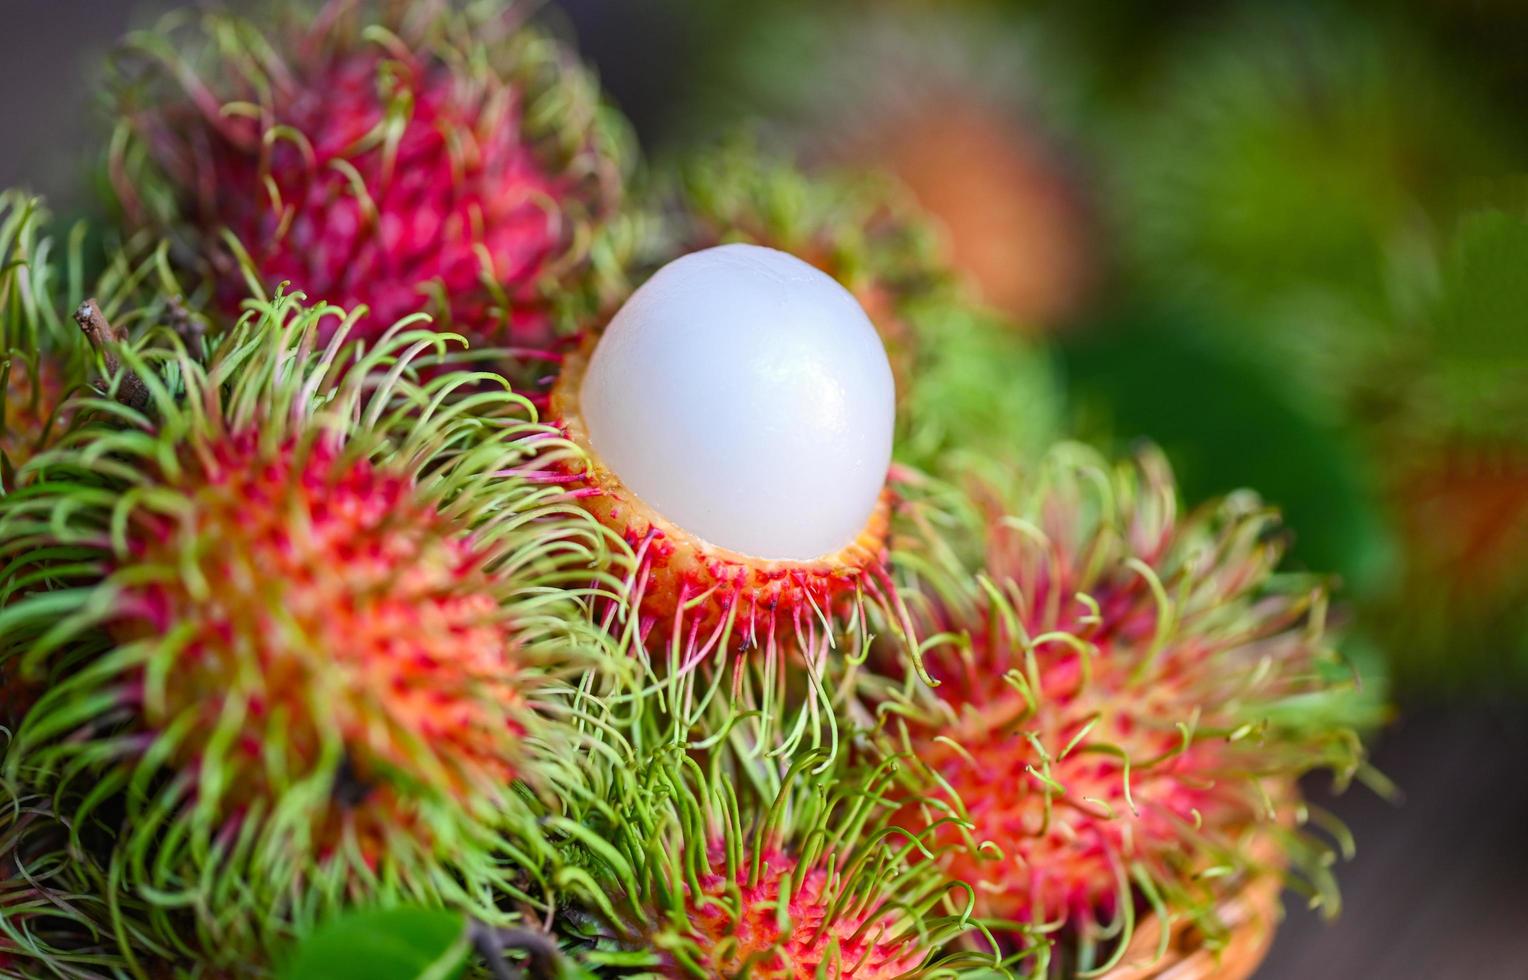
x,y
103,337
539,948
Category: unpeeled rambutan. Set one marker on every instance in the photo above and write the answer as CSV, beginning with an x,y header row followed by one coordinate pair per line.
x,y
401,156
54,917
312,624
748,868
38,359
1125,697
963,105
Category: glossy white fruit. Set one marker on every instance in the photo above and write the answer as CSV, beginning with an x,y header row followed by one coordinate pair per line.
x,y
746,397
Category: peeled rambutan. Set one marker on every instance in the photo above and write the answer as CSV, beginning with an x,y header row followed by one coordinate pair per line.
x,y
726,872
965,382
316,626
857,229
737,414
1125,698
401,156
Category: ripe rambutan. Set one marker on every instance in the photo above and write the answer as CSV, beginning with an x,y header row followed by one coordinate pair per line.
x,y
855,228
737,414
745,870
1296,167
47,352
403,156
54,918
316,626
35,354
1125,698
961,104
964,381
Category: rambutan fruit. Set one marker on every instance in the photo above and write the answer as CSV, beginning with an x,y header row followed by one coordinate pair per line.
x,y
737,413
964,381
962,104
39,360
1295,167
743,869
404,156
54,918
1443,399
854,227
1125,698
45,358
316,628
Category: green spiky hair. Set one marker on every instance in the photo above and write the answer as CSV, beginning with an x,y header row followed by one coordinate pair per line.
x,y
965,102
400,155
44,355
965,380
725,862
53,910
1295,169
312,627
1125,698
1443,401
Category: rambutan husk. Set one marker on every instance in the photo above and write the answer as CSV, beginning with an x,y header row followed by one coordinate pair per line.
x,y
1250,914
55,917
729,861
962,105
403,156
692,606
1246,911
265,761
1124,699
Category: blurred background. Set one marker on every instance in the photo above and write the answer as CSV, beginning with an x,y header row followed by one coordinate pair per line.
x,y
1286,241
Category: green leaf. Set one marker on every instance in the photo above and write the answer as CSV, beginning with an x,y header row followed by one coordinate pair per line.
x,y
384,944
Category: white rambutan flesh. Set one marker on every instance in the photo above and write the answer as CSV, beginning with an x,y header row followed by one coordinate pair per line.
x,y
747,397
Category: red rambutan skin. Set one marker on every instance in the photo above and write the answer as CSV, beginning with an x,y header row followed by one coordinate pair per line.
x,y
319,593
392,180
767,601
754,938
1046,781
32,398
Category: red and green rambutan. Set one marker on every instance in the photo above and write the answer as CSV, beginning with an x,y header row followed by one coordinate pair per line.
x,y
315,630
963,104
54,917
725,864
400,156
47,357
43,355
1125,696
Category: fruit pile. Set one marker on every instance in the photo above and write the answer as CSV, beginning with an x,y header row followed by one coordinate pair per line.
x,y
432,543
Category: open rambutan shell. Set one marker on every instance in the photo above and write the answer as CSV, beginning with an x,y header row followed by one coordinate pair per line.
x,y
686,586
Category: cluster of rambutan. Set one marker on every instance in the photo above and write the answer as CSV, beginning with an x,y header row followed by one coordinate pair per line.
x,y
305,609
